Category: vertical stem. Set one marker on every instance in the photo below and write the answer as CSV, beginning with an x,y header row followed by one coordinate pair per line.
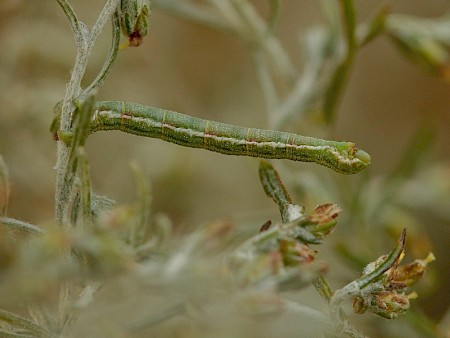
x,y
85,40
266,83
341,74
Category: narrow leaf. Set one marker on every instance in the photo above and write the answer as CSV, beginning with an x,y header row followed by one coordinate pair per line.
x,y
4,187
390,260
15,224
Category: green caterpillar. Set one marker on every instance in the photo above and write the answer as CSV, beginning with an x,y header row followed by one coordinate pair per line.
x,y
189,131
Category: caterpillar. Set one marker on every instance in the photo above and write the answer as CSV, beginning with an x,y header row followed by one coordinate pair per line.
x,y
343,157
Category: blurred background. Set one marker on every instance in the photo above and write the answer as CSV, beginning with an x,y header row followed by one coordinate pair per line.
x,y
196,70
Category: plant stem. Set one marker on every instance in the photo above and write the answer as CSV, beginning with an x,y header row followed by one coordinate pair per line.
x,y
334,92
266,82
85,40
65,168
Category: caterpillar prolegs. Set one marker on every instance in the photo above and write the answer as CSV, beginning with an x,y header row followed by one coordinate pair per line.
x,y
189,131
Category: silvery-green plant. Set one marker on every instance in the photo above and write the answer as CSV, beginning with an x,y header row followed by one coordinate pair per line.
x,y
98,251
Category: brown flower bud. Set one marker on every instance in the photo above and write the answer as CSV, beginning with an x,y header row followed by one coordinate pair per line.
x,y
409,274
389,304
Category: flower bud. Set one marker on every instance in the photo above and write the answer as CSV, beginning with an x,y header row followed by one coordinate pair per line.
x,y
409,274
134,15
389,304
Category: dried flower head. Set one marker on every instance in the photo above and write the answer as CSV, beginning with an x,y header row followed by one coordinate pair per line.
x,y
386,297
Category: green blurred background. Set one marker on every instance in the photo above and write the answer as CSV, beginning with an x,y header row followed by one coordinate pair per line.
x,y
193,69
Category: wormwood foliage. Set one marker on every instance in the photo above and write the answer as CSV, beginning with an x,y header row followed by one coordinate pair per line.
x,y
107,270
